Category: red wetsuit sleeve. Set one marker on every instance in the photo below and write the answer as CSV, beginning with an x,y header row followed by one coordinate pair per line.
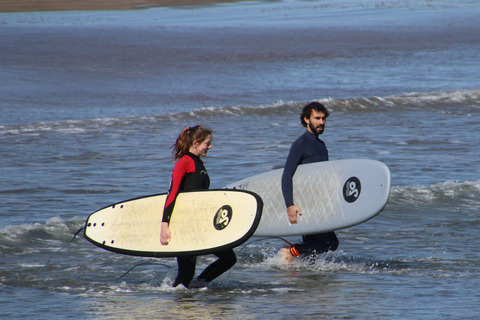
x,y
184,166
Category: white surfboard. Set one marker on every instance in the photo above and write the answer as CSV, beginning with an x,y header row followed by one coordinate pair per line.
x,y
202,222
332,195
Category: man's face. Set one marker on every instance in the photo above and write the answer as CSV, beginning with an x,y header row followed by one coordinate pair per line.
x,y
316,122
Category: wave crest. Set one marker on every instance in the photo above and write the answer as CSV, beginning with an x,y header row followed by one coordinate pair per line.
x,y
469,99
461,193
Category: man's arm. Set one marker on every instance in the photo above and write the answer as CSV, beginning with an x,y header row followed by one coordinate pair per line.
x,y
294,158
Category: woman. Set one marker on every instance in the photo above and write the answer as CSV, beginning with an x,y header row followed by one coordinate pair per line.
x,y
190,174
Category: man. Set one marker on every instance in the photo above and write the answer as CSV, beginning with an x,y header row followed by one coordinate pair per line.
x,y
307,148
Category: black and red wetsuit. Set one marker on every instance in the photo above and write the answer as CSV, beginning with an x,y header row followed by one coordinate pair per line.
x,y
190,174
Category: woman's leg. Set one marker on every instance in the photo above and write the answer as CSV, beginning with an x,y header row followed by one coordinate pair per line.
x,y
226,260
186,270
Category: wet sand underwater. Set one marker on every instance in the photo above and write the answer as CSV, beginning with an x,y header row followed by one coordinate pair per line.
x,y
55,5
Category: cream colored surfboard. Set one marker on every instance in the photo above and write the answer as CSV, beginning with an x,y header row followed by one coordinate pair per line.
x,y
332,195
202,222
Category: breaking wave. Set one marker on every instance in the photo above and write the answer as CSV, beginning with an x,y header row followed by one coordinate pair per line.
x,y
467,99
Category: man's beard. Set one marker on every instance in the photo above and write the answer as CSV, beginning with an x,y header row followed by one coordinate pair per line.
x,y
314,129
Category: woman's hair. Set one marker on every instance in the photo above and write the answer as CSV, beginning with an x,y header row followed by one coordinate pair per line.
x,y
307,111
187,137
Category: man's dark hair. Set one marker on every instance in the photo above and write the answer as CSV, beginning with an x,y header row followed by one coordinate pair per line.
x,y
307,111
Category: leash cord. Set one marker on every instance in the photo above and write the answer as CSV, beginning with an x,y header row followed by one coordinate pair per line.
x,y
140,264
266,238
76,233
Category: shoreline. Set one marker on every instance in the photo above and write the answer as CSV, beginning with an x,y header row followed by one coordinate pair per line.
x,y
94,5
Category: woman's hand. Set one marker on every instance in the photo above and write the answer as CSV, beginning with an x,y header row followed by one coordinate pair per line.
x,y
165,234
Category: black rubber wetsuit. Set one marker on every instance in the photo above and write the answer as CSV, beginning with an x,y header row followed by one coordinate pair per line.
x,y
307,149
189,173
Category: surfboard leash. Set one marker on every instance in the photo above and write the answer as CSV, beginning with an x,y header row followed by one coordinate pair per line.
x,y
266,238
76,233
140,264
291,245
293,249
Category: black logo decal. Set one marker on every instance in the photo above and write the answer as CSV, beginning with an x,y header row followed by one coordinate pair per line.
x,y
223,217
351,189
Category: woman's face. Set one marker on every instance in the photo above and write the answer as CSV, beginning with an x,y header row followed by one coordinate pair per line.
x,y
201,149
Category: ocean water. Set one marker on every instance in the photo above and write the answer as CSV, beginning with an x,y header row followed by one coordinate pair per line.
x,y
90,103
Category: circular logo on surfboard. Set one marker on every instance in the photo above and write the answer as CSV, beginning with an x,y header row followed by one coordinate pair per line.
x,y
351,189
223,217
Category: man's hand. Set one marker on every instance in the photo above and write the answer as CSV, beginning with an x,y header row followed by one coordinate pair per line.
x,y
292,214
165,235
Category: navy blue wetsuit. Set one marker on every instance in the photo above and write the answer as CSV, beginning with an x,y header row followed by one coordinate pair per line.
x,y
307,149
189,173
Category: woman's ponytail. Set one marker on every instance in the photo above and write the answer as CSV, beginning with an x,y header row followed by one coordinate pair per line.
x,y
186,139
